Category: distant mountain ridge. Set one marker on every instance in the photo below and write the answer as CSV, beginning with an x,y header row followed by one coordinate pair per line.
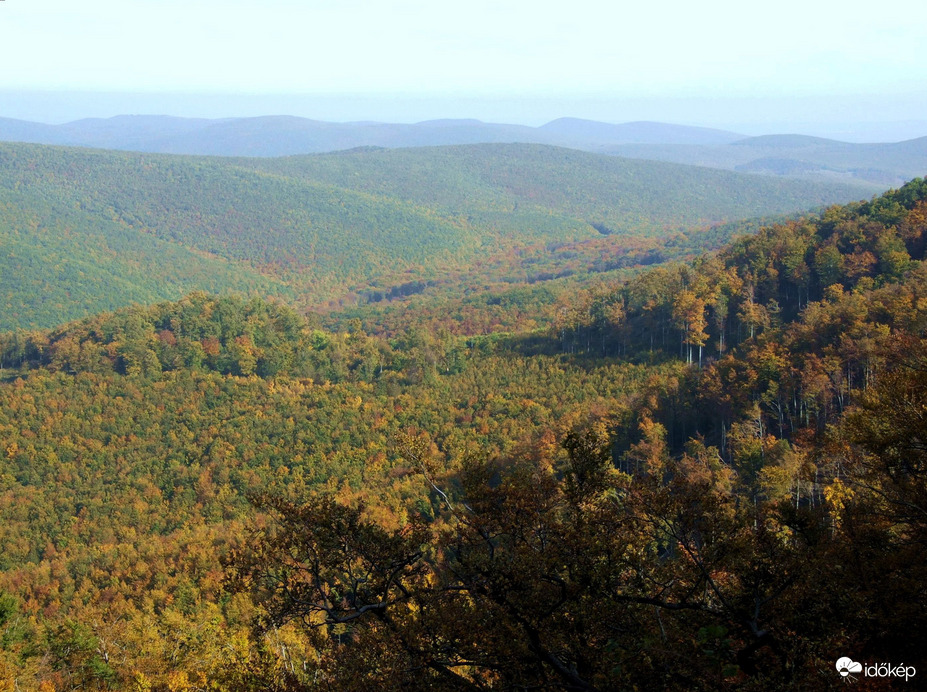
x,y
641,132
281,135
793,155
880,165
788,141
274,135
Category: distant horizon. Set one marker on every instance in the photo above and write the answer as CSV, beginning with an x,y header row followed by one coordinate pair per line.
x,y
848,72
753,116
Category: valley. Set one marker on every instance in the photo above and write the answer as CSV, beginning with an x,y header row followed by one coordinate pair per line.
x,y
82,228
588,396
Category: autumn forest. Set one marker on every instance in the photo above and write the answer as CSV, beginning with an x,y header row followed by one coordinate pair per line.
x,y
488,417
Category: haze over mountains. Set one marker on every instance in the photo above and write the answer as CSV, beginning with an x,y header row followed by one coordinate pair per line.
x,y
874,166
285,135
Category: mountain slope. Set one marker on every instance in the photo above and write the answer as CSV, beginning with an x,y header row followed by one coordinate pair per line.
x,y
626,196
128,213
85,229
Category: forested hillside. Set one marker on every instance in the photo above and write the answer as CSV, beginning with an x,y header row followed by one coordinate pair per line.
x,y
621,195
82,229
709,476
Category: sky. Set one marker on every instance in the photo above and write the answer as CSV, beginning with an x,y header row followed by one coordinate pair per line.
x,y
810,63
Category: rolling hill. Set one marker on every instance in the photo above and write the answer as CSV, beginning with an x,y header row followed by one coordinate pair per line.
x,y
809,158
85,230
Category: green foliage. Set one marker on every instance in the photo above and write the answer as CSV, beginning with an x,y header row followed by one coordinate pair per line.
x,y
85,231
530,182
74,649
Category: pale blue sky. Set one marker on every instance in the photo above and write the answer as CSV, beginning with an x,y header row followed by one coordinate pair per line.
x,y
684,55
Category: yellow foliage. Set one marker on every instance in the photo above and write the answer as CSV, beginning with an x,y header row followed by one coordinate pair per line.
x,y
7,679
836,495
178,681
140,683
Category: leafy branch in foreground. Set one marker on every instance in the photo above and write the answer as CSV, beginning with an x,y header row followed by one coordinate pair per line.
x,y
581,579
